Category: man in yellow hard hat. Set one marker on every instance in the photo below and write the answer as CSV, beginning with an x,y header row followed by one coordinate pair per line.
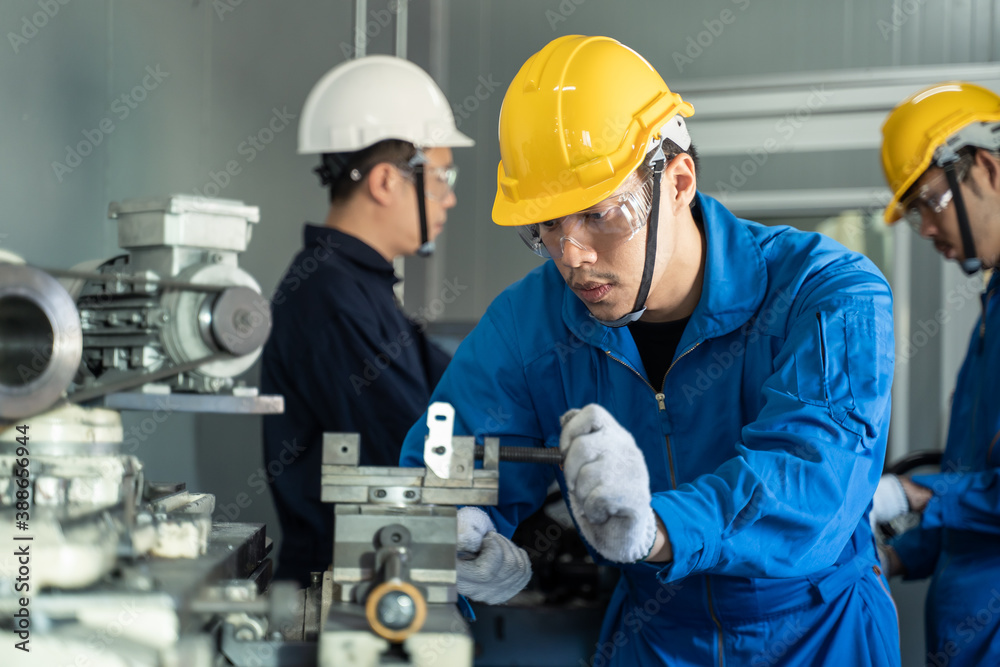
x,y
719,389
941,157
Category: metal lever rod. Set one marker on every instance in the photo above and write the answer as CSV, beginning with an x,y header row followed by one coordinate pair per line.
x,y
546,455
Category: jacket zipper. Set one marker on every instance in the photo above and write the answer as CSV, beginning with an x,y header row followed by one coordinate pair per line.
x,y
979,384
661,402
982,319
660,399
711,612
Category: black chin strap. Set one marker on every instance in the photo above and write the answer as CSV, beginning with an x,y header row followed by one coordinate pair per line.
x,y
426,246
639,308
654,218
971,264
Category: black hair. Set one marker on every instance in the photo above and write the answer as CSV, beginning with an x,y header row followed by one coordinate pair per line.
x,y
343,173
966,156
670,151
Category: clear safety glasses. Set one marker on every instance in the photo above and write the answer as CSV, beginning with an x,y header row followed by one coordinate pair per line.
x,y
923,200
598,229
930,198
439,182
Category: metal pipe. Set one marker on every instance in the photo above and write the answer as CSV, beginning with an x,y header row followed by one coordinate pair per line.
x,y
41,342
402,21
360,38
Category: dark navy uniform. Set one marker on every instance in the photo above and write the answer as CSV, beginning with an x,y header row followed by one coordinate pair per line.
x,y
346,359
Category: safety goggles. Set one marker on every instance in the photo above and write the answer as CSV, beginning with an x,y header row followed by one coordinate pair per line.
x,y
923,200
598,229
439,182
927,198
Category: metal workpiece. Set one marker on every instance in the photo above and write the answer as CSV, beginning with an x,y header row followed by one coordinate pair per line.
x,y
389,596
429,558
343,481
439,449
41,342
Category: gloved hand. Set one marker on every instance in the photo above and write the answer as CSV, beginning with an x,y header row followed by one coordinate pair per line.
x,y
889,501
608,484
490,568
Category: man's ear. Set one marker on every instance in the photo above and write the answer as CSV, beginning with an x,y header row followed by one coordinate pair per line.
x,y
383,181
679,182
991,164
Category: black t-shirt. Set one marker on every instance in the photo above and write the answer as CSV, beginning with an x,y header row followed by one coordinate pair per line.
x,y
657,343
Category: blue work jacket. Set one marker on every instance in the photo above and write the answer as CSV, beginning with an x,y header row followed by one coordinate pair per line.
x,y
958,540
764,445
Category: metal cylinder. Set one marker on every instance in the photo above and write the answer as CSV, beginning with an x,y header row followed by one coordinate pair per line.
x,y
40,341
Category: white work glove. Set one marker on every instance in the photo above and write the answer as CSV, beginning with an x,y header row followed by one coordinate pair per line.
x,y
889,502
490,568
608,484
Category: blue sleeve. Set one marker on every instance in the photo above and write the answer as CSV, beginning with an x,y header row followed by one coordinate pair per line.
x,y
963,501
918,550
486,384
806,468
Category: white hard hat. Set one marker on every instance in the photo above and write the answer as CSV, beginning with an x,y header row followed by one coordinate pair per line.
x,y
363,101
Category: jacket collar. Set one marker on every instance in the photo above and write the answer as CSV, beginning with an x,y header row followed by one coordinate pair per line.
x,y
733,288
347,247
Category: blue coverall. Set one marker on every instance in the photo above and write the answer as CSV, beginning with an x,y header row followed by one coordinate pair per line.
x,y
958,539
764,446
346,359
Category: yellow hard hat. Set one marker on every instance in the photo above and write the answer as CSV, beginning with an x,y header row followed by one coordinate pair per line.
x,y
928,120
578,118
